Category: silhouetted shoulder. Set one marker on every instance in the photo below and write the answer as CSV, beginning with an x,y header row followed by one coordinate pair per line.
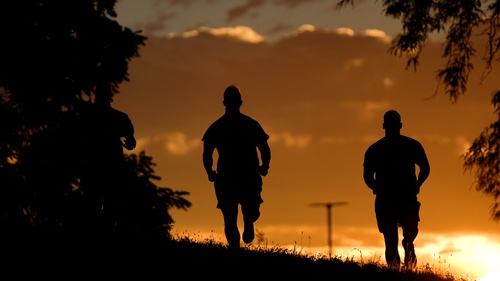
x,y
393,146
400,140
236,125
412,144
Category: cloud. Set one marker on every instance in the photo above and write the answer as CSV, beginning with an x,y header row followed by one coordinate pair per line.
x,y
377,33
366,110
242,10
305,28
345,31
289,140
157,3
353,64
388,82
159,24
309,28
175,143
251,5
460,143
449,248
295,3
279,28
242,33
336,140
373,33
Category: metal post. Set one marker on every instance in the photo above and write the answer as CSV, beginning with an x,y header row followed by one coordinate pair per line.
x,y
329,222
329,206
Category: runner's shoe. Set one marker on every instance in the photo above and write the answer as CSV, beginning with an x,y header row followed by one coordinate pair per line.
x,y
410,257
248,233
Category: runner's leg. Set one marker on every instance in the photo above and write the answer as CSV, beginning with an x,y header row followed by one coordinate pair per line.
x,y
230,214
410,232
251,212
391,247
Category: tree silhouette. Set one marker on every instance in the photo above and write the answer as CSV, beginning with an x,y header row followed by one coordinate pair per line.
x,y
53,53
459,21
483,155
144,207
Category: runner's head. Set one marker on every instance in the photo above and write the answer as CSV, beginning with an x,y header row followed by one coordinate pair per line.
x,y
232,97
392,121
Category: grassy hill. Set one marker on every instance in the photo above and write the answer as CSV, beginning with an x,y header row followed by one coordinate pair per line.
x,y
216,260
72,258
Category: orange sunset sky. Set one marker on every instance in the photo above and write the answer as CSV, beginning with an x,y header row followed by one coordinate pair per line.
x,y
319,81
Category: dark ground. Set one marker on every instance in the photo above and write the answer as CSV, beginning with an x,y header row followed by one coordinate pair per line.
x,y
58,257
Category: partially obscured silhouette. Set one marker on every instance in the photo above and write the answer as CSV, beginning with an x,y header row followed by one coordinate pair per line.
x,y
106,131
238,175
390,171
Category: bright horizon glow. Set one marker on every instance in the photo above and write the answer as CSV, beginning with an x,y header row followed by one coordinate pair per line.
x,y
491,276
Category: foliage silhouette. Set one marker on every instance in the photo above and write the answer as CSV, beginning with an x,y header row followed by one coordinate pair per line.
x,y
483,155
53,54
146,205
460,21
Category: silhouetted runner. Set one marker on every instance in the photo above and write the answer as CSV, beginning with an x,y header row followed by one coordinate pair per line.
x,y
237,178
390,171
106,132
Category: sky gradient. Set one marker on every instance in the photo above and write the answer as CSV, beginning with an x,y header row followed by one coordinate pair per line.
x,y
319,81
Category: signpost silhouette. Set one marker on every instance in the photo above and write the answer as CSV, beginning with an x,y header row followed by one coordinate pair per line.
x,y
329,206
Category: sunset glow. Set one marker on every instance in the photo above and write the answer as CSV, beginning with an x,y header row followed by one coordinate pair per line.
x,y
491,276
318,80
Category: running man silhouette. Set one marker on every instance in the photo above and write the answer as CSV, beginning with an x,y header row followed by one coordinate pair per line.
x,y
238,175
106,132
390,172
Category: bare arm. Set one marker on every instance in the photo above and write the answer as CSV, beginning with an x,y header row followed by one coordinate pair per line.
x,y
265,155
424,168
369,178
424,172
369,172
208,162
